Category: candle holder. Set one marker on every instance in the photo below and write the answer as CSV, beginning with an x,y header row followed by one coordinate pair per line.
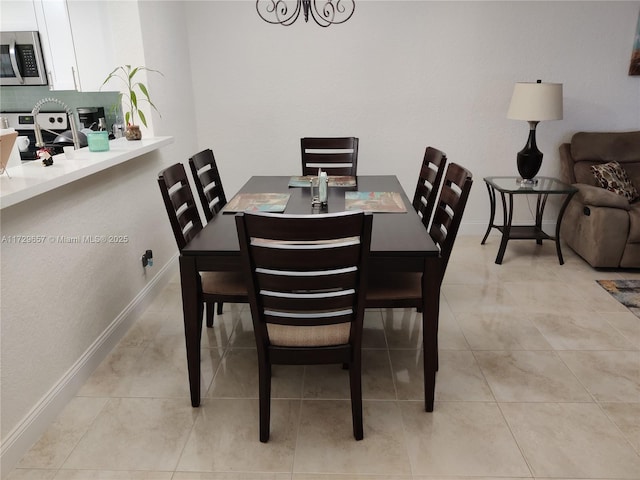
x,y
315,194
319,199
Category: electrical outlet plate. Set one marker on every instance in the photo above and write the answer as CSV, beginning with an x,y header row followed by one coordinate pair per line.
x,y
147,258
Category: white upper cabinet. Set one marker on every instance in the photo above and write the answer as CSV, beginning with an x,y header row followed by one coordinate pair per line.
x,y
91,28
57,43
79,51
17,15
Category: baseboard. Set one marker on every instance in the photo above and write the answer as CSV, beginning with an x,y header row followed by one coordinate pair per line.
x,y
25,434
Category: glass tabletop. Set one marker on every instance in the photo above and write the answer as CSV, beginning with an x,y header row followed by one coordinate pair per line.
x,y
544,185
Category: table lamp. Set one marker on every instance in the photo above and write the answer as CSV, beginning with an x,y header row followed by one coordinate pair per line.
x,y
534,102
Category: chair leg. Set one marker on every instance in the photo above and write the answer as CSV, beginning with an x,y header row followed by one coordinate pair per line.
x,y
355,380
264,371
209,313
201,313
219,308
437,351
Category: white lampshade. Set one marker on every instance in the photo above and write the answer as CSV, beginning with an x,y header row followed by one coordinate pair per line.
x,y
534,102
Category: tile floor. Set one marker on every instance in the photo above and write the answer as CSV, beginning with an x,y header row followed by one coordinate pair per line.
x,y
539,378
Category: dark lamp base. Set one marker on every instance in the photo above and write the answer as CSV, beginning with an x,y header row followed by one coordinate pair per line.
x,y
529,163
530,158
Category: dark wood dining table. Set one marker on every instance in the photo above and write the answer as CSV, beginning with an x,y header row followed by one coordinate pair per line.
x,y
399,243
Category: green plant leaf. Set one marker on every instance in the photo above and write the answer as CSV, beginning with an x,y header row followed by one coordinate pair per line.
x,y
142,118
111,75
143,89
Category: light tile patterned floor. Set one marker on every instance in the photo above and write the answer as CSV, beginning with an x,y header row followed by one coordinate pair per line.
x,y
539,378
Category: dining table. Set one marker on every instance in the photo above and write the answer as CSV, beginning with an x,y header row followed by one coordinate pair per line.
x,y
399,243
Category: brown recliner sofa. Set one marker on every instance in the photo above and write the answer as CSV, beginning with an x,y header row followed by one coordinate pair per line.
x,y
602,226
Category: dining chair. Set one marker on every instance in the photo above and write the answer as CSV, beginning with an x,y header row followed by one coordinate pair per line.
x,y
215,287
429,179
208,184
306,280
206,178
404,289
337,156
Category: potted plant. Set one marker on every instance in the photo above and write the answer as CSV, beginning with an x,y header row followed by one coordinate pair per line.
x,y
135,93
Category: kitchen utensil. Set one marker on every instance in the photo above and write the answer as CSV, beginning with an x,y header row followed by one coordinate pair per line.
x,y
66,138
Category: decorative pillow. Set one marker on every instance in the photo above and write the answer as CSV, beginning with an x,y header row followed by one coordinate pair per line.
x,y
613,177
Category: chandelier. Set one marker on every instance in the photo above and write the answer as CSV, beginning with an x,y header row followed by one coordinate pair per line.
x,y
323,12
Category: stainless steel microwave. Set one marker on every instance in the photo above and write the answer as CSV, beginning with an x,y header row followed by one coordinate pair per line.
x,y
21,59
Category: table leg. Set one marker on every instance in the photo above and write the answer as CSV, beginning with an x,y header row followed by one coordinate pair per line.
x,y
539,212
191,308
506,226
430,313
558,223
540,204
492,204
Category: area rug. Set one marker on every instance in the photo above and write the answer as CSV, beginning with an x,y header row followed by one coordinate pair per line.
x,y
627,292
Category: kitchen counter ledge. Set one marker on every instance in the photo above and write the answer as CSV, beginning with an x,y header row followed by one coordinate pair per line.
x,y
31,178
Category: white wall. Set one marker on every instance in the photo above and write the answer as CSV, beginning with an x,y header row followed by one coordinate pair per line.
x,y
400,75
404,75
59,300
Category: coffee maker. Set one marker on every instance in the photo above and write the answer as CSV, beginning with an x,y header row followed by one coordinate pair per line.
x,y
90,117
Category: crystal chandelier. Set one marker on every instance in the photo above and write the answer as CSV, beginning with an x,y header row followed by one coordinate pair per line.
x,y
323,12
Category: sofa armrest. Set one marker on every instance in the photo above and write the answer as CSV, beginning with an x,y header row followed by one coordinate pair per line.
x,y
600,197
567,164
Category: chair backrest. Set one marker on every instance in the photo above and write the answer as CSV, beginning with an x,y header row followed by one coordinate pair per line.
x,y
180,204
449,209
336,156
429,180
307,276
208,183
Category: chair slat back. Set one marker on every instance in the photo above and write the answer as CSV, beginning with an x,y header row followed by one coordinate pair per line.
x,y
449,209
431,171
306,270
208,184
336,156
179,203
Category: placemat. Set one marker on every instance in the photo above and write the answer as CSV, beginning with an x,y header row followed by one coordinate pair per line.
x,y
384,202
257,202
